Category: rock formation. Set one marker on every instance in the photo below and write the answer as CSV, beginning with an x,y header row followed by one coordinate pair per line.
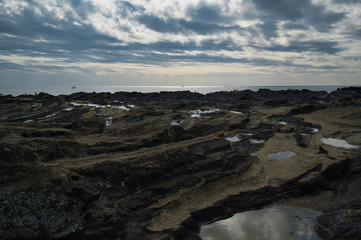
x,y
159,165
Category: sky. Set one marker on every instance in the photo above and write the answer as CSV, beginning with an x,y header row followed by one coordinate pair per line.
x,y
180,42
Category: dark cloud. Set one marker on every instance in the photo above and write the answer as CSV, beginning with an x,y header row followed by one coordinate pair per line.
x,y
317,16
205,19
353,58
347,1
125,9
130,6
357,33
227,44
165,59
204,28
268,29
183,26
161,25
46,34
13,66
30,24
137,52
82,8
257,61
315,46
282,9
208,13
295,26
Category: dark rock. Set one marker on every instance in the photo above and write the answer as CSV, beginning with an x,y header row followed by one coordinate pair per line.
x,y
322,151
39,150
44,212
69,177
276,103
306,108
340,223
239,125
87,125
301,140
209,147
337,169
43,96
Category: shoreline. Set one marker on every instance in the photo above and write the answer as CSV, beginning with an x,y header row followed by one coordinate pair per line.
x,y
66,90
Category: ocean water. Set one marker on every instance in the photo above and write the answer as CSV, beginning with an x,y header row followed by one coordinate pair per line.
x,y
59,90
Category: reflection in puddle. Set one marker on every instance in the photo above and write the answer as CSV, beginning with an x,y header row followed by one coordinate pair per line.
x,y
338,143
281,155
275,223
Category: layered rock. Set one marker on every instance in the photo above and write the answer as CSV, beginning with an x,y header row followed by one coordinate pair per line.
x,y
159,165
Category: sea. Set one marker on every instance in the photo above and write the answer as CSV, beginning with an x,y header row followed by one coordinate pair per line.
x,y
65,90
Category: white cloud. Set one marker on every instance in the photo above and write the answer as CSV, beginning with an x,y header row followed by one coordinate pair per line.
x,y
11,7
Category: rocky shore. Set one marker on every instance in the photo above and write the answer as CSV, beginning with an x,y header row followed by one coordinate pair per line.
x,y
134,165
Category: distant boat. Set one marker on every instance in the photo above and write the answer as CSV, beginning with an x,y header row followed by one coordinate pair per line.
x,y
73,87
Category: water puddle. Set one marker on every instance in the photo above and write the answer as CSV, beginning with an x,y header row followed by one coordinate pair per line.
x,y
281,155
195,115
48,116
68,109
275,223
198,113
174,123
235,112
315,130
247,134
108,121
338,143
124,108
233,139
283,123
256,141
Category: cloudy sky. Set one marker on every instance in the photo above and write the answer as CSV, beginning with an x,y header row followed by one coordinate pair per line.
x,y
180,42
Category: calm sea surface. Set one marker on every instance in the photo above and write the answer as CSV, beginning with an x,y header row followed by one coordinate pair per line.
x,y
58,90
